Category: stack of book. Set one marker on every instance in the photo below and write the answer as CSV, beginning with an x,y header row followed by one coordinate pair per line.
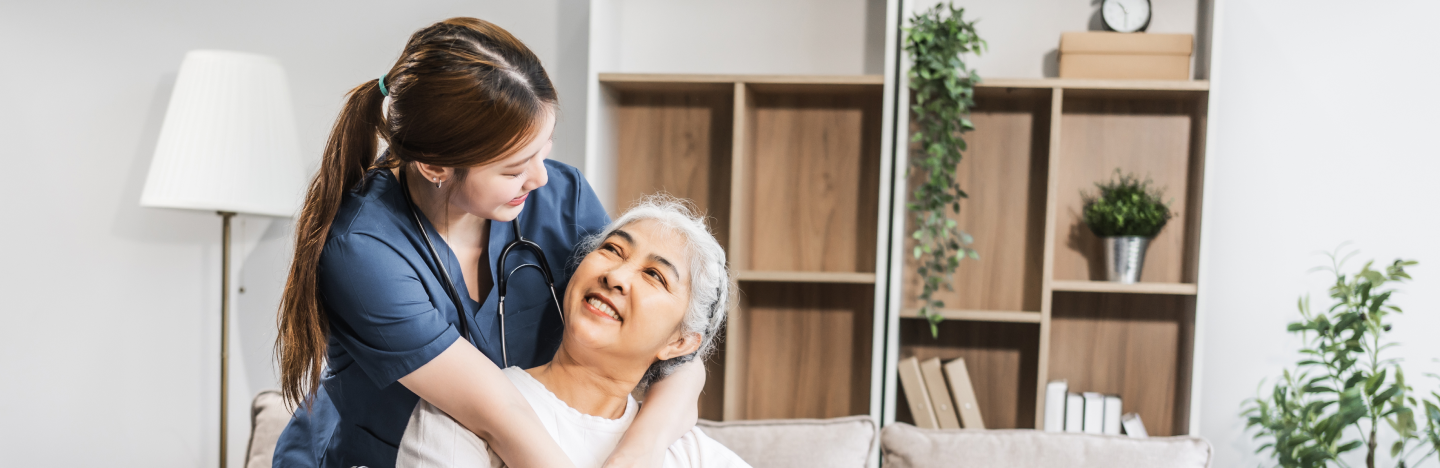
x,y
1087,412
940,394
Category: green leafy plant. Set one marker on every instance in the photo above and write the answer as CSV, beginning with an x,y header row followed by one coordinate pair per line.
x,y
1334,400
943,92
1125,206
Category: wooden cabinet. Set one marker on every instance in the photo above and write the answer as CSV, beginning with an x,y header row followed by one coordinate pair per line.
x,y
805,179
789,169
1034,307
801,190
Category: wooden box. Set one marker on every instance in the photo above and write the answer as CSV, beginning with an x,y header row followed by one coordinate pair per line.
x,y
1133,56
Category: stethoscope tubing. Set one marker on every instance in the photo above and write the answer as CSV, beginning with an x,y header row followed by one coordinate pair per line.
x,y
502,277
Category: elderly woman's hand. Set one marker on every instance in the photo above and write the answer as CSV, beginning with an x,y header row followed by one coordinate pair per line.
x,y
671,408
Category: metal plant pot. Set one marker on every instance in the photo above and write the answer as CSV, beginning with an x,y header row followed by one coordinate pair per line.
x,y
1124,257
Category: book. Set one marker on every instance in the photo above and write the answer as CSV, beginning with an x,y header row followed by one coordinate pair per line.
x,y
1094,413
1112,415
1055,405
1074,412
921,407
939,395
964,394
1133,426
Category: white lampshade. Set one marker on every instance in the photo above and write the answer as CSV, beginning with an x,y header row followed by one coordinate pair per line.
x,y
228,142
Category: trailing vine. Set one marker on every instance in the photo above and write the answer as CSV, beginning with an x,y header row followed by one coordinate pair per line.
x,y
943,93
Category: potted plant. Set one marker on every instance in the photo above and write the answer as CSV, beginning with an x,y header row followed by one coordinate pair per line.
x,y
1126,214
1345,388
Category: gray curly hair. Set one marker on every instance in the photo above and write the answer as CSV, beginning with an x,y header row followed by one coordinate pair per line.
x,y
712,287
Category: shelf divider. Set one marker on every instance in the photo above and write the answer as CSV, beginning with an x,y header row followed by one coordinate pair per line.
x,y
1183,289
806,277
1076,83
979,315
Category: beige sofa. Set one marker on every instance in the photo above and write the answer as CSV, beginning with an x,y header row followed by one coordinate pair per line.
x,y
852,442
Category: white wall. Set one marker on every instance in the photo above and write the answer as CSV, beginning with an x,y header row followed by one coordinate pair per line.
x,y
803,37
1322,132
1024,35
109,346
789,37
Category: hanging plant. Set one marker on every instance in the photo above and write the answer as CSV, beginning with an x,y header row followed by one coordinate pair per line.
x,y
942,92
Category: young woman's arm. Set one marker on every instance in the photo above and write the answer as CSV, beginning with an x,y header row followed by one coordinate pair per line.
x,y
465,384
671,409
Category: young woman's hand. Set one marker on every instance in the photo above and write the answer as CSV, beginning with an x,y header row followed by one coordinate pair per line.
x,y
671,409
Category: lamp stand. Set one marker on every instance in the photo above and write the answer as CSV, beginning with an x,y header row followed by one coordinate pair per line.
x,y
224,331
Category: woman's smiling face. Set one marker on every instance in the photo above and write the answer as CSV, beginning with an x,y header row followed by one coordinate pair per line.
x,y
628,297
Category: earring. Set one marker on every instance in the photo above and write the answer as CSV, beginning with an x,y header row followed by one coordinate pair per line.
x,y
436,180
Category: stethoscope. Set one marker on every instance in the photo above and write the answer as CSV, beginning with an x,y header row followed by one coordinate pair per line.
x,y
501,275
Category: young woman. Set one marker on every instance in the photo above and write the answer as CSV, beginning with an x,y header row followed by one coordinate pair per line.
x,y
390,296
650,296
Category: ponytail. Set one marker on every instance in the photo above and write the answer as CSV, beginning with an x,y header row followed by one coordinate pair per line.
x,y
301,343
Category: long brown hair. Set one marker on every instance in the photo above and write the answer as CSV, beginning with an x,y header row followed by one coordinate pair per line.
x,y
463,93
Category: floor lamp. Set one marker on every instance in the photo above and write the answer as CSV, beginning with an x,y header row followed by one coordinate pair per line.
x,y
227,145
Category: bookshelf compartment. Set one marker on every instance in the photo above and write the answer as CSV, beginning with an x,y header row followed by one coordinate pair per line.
x,y
1002,359
804,351
809,177
1154,135
675,138
1137,346
1004,171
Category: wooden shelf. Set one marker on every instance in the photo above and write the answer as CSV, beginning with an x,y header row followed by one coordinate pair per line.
x,y
799,351
1159,138
788,168
648,78
1004,173
1138,346
806,180
1118,85
805,277
1037,145
1002,358
1182,289
979,315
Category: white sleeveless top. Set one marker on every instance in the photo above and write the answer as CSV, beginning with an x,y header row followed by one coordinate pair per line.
x,y
434,440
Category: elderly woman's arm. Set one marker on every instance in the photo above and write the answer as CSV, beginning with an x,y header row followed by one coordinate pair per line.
x,y
470,388
671,409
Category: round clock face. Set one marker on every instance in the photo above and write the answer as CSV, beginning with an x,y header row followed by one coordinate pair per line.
x,y
1125,15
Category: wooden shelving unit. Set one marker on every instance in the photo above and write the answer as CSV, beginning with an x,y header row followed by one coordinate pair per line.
x,y
805,179
1035,307
793,171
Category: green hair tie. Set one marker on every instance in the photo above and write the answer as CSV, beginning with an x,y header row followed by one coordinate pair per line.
x,y
383,91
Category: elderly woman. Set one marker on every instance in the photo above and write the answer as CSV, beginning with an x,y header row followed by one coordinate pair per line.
x,y
650,295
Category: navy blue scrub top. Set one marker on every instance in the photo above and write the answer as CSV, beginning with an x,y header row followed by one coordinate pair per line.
x,y
389,314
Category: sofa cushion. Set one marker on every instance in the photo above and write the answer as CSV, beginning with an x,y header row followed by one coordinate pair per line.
x,y
785,443
268,417
906,446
